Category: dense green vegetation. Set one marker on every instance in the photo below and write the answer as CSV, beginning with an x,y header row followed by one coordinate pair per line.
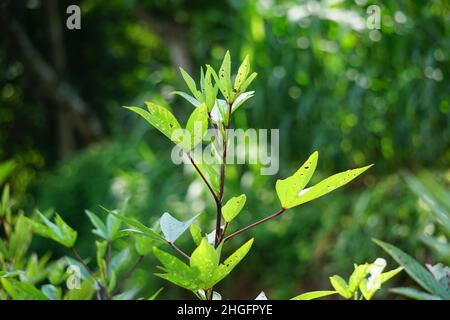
x,y
327,82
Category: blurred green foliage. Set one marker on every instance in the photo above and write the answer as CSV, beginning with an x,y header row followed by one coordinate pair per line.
x,y
325,80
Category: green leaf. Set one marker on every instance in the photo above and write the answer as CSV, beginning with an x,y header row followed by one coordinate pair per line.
x,y
196,234
372,283
196,126
388,275
442,274
212,172
233,207
85,292
340,286
414,294
191,84
12,274
113,227
178,272
416,271
156,294
206,260
232,261
172,228
313,295
188,97
289,188
357,276
50,292
248,81
58,231
243,71
119,260
139,227
143,244
100,228
241,99
5,170
327,185
225,77
425,193
210,90
22,290
160,118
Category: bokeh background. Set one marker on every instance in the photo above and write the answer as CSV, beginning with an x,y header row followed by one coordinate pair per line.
x,y
328,82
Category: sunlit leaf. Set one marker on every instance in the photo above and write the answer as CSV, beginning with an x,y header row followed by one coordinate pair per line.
x,y
314,295
160,118
196,126
242,73
225,77
206,260
233,207
247,82
241,99
191,84
340,286
232,261
327,185
177,271
289,188
196,233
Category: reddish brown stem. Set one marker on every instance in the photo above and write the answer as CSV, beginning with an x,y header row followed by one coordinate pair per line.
x,y
213,193
179,250
276,214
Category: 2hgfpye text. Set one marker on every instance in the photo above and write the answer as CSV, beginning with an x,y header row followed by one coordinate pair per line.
x,y
225,310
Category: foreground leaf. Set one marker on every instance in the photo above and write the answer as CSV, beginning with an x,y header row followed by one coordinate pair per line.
x,y
205,259
314,295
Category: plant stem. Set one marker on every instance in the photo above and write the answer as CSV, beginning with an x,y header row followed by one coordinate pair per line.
x,y
213,193
77,256
108,258
219,232
127,275
276,214
225,228
179,250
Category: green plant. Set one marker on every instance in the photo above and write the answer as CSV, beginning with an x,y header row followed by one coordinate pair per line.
x,y
435,281
24,276
434,199
108,278
365,280
20,270
205,269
